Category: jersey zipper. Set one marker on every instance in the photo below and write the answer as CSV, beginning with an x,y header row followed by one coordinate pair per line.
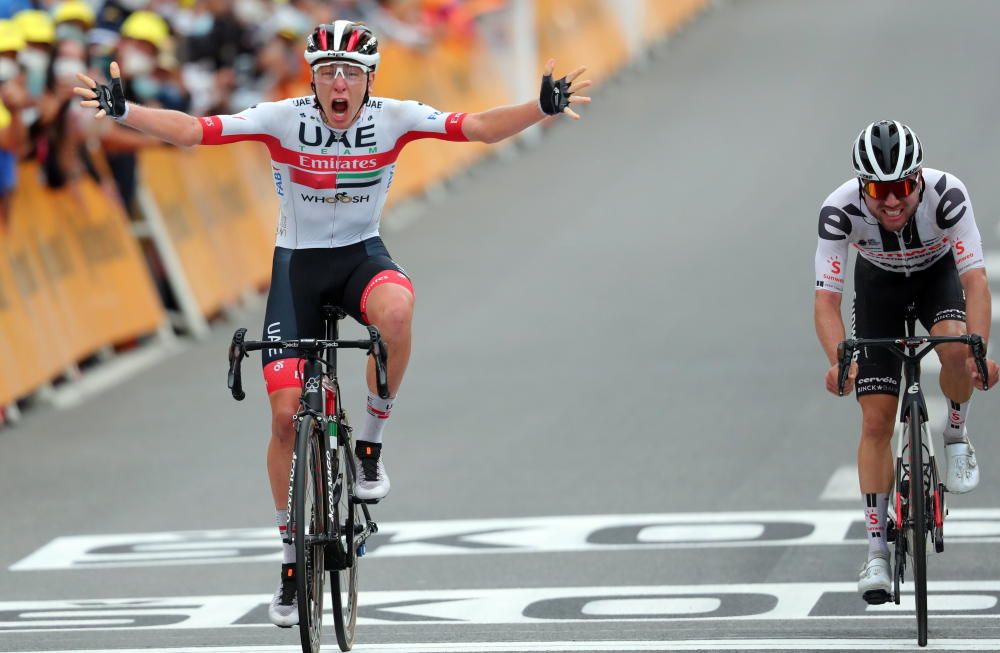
x,y
902,248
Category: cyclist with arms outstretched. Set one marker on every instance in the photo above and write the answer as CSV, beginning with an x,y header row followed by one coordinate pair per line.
x,y
918,247
333,156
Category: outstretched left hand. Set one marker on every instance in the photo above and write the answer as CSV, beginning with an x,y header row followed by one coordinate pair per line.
x,y
557,95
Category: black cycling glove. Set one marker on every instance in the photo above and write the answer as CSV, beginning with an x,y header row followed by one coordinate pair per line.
x,y
111,98
554,97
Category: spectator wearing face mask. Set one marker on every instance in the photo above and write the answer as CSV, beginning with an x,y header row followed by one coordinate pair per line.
x,y
144,35
14,98
73,19
37,51
62,127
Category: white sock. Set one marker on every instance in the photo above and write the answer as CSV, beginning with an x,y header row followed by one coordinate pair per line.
x,y
287,550
375,418
876,514
954,431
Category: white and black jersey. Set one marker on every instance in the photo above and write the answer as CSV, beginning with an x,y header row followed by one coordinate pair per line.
x,y
944,222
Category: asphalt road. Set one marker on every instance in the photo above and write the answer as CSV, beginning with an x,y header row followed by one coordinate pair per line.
x,y
613,434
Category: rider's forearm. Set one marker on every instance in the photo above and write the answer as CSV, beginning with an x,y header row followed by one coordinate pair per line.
x,y
978,304
167,125
496,124
829,324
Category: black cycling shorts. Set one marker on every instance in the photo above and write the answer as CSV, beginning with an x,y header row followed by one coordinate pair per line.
x,y
302,280
881,300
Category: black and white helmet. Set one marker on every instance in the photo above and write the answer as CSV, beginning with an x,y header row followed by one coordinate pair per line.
x,y
887,150
343,40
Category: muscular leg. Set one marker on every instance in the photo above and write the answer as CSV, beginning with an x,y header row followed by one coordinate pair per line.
x,y
878,414
284,404
390,308
956,384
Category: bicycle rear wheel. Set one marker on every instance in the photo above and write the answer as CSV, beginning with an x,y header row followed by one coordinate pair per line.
x,y
344,582
918,521
309,511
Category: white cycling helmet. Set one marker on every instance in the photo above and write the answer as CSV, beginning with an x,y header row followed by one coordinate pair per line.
x,y
343,40
887,150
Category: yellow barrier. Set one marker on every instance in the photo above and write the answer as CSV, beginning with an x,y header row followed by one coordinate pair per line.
x,y
182,216
47,218
580,33
217,184
662,17
26,365
40,354
116,265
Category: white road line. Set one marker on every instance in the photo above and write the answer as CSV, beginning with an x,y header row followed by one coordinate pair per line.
x,y
757,602
843,485
587,533
831,644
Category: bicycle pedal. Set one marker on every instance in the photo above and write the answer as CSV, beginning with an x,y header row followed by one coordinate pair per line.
x,y
369,502
876,597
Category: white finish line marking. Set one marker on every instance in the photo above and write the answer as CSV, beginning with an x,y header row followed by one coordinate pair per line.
x,y
588,533
779,602
604,645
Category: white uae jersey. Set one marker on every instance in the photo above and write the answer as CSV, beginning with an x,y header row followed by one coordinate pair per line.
x,y
944,224
332,185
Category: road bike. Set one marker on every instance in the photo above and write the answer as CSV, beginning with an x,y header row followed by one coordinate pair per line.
x,y
327,523
919,501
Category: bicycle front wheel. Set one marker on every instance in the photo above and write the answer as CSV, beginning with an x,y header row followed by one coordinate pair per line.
x,y
344,582
918,520
309,527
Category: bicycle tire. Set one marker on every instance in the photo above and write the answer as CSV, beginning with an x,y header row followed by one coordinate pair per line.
x,y
918,521
309,512
344,582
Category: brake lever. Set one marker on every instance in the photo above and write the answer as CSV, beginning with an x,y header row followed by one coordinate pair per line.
x,y
845,353
381,361
979,354
236,355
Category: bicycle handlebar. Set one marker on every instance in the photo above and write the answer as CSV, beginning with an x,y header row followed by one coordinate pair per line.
x,y
846,349
240,347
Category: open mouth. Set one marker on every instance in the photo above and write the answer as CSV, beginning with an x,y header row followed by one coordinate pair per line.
x,y
340,106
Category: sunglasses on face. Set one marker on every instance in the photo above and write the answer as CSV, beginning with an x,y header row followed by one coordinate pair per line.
x,y
879,190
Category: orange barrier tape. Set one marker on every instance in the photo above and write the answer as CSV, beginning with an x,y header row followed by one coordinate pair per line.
x,y
186,226
662,17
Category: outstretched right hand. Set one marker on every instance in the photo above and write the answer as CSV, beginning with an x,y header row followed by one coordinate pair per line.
x,y
832,376
109,99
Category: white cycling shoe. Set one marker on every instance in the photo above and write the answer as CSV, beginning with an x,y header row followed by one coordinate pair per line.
x,y
875,581
963,470
284,608
372,480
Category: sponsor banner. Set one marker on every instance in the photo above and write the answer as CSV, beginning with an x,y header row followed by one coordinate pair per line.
x,y
500,536
780,602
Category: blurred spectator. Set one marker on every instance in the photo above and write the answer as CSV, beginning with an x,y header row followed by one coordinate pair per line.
x,y
144,38
14,97
225,51
62,127
73,19
280,62
35,55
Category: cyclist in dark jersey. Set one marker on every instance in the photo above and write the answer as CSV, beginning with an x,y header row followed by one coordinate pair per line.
x,y
918,245
333,155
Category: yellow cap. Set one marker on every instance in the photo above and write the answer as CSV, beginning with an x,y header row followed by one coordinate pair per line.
x,y
10,37
74,10
146,26
36,26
